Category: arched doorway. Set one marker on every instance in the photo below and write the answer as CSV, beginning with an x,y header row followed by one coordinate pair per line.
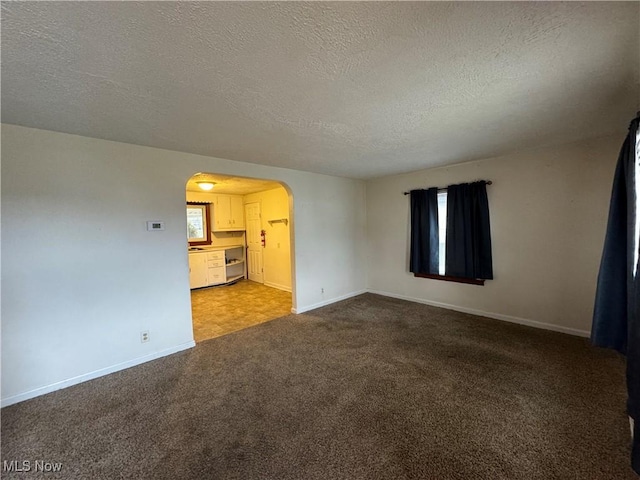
x,y
241,266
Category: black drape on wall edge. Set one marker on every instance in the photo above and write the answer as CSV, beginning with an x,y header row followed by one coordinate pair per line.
x,y
424,231
616,322
468,244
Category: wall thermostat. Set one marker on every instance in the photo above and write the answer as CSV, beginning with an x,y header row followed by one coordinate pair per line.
x,y
155,225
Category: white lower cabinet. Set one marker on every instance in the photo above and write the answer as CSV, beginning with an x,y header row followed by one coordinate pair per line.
x,y
217,267
216,276
198,274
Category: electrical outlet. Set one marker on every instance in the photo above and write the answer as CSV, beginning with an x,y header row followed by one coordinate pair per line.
x,y
322,290
144,336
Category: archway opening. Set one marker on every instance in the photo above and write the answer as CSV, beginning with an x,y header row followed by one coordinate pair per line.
x,y
240,237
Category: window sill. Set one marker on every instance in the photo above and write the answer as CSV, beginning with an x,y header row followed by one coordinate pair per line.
x,y
447,278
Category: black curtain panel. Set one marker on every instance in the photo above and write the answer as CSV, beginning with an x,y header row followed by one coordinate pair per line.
x,y
424,231
468,245
616,318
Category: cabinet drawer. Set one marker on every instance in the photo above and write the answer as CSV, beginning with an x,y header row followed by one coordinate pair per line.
x,y
216,275
216,256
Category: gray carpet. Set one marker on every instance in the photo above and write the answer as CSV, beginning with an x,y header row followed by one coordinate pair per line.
x,y
368,388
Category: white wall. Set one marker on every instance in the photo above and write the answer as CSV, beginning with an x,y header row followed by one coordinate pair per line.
x,y
82,277
274,204
548,212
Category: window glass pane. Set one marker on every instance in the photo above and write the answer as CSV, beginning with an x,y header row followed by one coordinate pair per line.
x,y
195,223
442,229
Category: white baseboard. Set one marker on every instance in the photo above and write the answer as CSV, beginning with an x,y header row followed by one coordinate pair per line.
x,y
279,287
152,356
21,397
497,316
327,302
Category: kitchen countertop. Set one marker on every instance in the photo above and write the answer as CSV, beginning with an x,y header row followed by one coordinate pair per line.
x,y
208,248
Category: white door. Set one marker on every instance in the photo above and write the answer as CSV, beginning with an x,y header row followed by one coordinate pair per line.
x,y
254,242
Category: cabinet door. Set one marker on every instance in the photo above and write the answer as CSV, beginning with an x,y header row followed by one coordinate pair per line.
x,y
197,270
223,212
216,275
237,213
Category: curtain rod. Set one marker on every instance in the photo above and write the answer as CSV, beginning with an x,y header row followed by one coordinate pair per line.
x,y
488,182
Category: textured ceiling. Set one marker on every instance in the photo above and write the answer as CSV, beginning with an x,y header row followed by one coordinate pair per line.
x,y
350,89
228,184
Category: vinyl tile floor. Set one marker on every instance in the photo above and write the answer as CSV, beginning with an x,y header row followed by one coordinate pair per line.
x,y
228,308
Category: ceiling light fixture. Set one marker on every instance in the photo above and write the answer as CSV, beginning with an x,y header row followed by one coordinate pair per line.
x,y
206,186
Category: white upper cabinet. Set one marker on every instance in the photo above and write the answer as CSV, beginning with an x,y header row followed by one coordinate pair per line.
x,y
228,213
237,212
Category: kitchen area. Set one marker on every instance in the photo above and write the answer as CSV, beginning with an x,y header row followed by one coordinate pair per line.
x,y
239,253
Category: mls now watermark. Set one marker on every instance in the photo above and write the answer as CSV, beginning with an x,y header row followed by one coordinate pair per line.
x,y
29,466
